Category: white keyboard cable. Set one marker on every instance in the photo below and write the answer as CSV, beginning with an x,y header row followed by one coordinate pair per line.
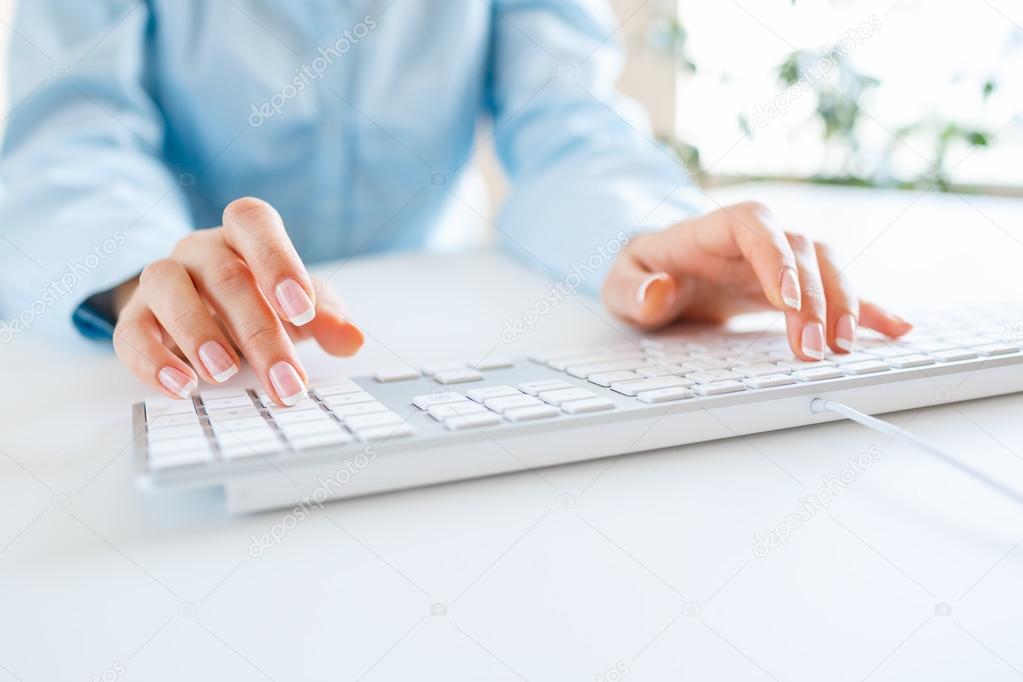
x,y
821,405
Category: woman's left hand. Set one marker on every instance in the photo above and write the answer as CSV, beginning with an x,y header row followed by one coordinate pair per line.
x,y
738,260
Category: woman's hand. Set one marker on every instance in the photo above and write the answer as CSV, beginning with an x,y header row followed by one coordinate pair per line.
x,y
240,286
737,260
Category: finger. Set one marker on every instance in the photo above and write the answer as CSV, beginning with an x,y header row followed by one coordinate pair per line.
x,y
254,229
877,318
332,328
170,294
138,344
227,284
806,326
637,295
843,308
745,231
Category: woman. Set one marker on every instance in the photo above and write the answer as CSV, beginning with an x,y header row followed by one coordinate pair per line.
x,y
136,123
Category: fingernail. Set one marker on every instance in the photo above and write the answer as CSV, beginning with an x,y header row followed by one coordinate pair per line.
x,y
790,293
644,292
176,381
900,320
845,332
813,340
287,382
295,302
217,362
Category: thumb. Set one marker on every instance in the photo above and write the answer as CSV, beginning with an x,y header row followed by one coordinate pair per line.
x,y
647,299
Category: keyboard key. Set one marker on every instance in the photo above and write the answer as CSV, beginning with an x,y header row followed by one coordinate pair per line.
x,y
337,388
160,421
583,371
564,395
240,400
233,413
991,349
662,370
466,407
631,388
864,367
910,360
387,432
166,448
171,460
608,378
847,358
561,364
343,411
719,388
512,402
534,387
799,365
705,364
480,419
320,440
540,411
159,405
425,402
769,380
930,346
293,431
300,417
431,370
230,437
482,394
953,355
664,395
256,422
716,375
492,363
182,431
304,404
366,421
818,374
386,376
756,370
457,376
588,405
333,401
236,450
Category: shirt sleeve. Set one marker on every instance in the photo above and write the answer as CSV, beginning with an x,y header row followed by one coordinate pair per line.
x,y
85,200
585,170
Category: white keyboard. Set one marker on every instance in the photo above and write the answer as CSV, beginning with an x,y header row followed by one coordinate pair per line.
x,y
403,428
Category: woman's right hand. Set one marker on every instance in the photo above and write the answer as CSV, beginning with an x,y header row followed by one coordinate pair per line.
x,y
235,290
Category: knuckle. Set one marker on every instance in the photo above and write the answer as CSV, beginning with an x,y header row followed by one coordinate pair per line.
x,y
272,256
798,241
229,274
188,320
261,338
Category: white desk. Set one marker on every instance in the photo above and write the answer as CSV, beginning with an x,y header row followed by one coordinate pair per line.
x,y
645,561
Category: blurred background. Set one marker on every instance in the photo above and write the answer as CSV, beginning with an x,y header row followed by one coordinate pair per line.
x,y
886,93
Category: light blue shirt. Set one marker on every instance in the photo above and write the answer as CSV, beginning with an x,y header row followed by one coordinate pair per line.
x,y
135,122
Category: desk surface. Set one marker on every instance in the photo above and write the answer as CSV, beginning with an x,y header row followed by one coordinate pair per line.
x,y
641,567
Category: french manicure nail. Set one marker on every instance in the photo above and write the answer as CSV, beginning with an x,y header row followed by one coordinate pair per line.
x,y
845,332
644,288
287,382
217,362
176,381
295,302
813,340
790,293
